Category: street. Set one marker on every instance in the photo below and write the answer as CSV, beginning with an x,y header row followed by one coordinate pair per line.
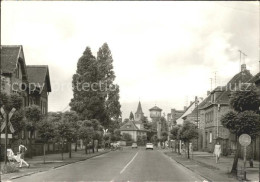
x,y
125,165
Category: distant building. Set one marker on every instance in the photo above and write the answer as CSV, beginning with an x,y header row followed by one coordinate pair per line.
x,y
155,115
135,127
188,111
139,113
173,116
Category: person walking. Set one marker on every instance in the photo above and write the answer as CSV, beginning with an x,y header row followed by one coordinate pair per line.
x,y
22,150
217,151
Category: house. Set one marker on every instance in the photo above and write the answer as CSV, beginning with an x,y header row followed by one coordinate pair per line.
x,y
174,115
213,108
188,110
135,127
29,81
39,79
14,77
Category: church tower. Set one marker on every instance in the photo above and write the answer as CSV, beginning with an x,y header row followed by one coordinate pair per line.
x,y
139,113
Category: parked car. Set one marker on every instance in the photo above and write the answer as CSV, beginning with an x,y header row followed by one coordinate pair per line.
x,y
149,146
134,145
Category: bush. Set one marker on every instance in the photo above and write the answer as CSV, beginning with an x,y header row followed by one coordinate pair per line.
x,y
9,168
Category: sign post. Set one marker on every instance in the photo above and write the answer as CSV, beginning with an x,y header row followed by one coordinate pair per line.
x,y
244,140
7,117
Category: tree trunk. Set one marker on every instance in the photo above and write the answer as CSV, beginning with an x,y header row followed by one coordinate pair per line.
x,y
234,166
86,149
44,153
62,149
70,149
97,146
76,146
30,145
93,146
188,150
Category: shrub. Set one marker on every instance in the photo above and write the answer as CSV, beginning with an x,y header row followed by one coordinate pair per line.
x,y
9,168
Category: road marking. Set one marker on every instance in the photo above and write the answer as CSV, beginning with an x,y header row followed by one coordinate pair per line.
x,y
128,164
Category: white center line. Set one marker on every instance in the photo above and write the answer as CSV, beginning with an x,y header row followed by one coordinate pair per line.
x,y
128,164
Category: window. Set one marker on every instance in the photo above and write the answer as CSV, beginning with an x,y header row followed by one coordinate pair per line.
x,y
210,137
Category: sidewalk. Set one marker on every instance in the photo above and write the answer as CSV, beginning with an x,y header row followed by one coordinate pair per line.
x,y
204,164
52,161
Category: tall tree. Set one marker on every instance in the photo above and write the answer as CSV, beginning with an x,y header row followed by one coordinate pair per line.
x,y
86,100
109,90
131,116
243,117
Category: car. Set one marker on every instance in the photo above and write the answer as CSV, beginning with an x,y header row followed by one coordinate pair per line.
x,y
134,145
149,146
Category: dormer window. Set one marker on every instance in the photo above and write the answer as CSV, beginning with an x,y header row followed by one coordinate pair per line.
x,y
128,126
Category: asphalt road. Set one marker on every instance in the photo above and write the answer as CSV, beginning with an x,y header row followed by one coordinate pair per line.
x,y
126,165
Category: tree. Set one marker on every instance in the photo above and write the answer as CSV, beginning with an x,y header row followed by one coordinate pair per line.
x,y
46,132
131,117
243,117
33,116
164,137
109,90
86,100
187,132
86,132
127,137
65,131
116,135
71,119
174,136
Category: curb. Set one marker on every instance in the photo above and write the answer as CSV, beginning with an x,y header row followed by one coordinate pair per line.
x,y
31,173
188,168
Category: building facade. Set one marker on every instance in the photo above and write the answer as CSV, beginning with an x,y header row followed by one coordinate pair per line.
x,y
135,128
32,83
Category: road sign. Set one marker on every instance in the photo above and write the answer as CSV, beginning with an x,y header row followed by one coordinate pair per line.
x,y
9,123
11,113
245,140
9,136
3,112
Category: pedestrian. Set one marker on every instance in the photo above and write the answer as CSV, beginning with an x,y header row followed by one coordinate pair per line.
x,y
22,150
217,151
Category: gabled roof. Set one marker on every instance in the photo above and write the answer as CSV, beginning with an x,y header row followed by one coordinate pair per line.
x,y
39,74
255,79
10,55
242,76
139,109
129,126
155,108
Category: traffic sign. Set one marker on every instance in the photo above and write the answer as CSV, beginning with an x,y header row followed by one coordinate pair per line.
x,y
9,123
9,136
245,140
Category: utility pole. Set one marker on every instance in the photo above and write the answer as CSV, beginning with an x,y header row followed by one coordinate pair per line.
x,y
197,107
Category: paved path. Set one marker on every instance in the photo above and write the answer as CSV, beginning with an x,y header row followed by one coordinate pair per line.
x,y
126,165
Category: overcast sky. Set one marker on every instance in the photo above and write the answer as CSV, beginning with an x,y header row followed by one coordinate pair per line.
x,y
164,52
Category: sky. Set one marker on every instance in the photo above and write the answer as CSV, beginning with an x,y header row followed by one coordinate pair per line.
x,y
165,53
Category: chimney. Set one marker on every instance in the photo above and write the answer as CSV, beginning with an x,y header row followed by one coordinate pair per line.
x,y
185,107
243,67
208,93
190,102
